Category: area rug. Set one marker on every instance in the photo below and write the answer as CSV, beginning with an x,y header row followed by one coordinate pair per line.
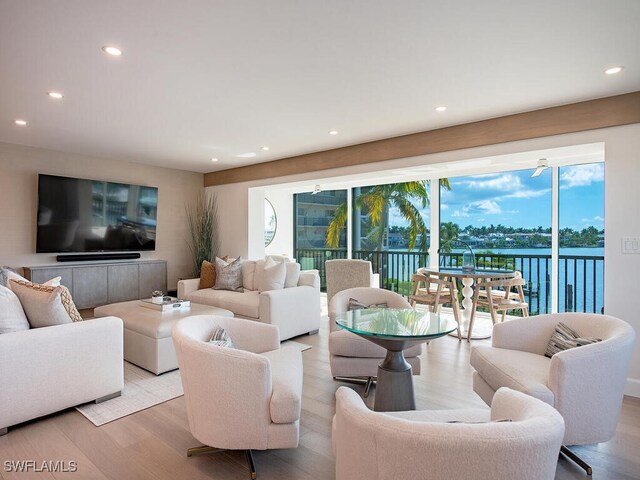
x,y
142,390
291,343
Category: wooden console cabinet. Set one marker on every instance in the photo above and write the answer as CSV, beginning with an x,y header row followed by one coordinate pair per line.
x,y
100,283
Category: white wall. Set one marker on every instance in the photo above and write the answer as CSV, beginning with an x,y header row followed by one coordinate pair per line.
x,y
19,168
622,207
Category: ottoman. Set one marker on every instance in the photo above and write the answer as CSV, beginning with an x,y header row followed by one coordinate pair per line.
x,y
147,332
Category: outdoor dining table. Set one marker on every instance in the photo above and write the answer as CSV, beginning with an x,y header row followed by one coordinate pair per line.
x,y
469,277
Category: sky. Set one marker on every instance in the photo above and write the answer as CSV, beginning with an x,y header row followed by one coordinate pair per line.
x,y
515,199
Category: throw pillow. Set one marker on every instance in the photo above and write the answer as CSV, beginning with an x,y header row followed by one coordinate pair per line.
x,y
357,305
12,317
7,274
221,338
228,275
249,275
207,275
564,338
293,274
273,276
45,306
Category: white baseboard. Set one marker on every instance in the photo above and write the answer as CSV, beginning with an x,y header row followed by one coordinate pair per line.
x,y
632,388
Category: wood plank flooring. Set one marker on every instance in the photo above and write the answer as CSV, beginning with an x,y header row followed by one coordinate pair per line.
x,y
152,444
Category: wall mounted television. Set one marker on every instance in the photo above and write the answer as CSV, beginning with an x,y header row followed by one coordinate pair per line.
x,y
79,215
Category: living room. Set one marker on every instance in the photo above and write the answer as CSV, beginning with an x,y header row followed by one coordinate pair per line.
x,y
337,96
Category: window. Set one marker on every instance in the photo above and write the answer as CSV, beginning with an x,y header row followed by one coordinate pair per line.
x,y
581,238
506,219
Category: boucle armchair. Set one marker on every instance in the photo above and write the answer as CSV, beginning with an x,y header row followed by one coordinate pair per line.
x,y
519,438
585,384
342,274
356,359
242,398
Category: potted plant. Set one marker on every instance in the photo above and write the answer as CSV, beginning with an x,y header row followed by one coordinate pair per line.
x,y
202,217
157,297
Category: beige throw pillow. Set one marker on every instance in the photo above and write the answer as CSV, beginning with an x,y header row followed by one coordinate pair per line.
x,y
228,275
45,306
12,317
273,276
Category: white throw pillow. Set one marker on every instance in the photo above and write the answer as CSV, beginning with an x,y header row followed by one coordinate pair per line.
x,y
12,317
249,274
259,273
293,274
42,305
273,276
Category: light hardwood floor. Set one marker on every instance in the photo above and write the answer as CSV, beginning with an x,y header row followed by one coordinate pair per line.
x,y
151,444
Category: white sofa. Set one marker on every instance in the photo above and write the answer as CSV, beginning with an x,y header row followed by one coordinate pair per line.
x,y
45,370
294,310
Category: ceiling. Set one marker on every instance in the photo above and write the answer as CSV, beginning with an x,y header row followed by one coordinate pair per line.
x,y
201,79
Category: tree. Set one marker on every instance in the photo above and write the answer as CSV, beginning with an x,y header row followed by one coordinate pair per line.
x,y
449,232
377,200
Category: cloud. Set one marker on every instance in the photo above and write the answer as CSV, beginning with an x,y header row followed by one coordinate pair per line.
x,y
460,213
507,182
596,219
581,175
527,193
488,207
444,206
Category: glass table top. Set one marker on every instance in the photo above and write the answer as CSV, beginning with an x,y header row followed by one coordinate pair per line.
x,y
394,323
478,272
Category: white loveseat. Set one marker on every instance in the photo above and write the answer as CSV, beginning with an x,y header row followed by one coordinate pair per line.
x,y
294,310
45,370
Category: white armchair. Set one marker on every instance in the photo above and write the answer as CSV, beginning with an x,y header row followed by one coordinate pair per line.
x,y
585,384
242,398
347,273
443,444
356,359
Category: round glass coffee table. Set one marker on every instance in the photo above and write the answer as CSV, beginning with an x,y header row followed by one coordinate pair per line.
x,y
396,330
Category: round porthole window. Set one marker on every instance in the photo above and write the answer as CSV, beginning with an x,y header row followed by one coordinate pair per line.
x,y
270,222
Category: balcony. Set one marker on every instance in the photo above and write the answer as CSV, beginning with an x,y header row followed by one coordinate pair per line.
x,y
580,278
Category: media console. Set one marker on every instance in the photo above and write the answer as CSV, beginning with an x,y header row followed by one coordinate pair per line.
x,y
99,283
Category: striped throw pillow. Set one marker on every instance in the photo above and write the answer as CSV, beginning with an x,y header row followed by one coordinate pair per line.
x,y
356,305
221,338
565,338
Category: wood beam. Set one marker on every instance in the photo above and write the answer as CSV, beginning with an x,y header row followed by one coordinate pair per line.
x,y
575,117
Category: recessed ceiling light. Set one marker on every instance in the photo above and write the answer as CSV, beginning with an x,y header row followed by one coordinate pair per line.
x,y
333,132
115,51
22,123
56,95
247,155
265,149
440,109
613,70
215,159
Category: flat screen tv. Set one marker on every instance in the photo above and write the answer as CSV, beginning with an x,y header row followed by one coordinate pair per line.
x,y
78,215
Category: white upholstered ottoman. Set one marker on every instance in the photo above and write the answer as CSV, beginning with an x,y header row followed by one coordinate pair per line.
x,y
147,332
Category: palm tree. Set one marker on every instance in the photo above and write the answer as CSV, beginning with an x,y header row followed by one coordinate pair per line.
x,y
449,232
377,200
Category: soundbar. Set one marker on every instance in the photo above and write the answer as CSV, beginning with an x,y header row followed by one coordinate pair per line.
x,y
93,257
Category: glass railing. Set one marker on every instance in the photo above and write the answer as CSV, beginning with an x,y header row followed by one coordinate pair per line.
x,y
580,278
